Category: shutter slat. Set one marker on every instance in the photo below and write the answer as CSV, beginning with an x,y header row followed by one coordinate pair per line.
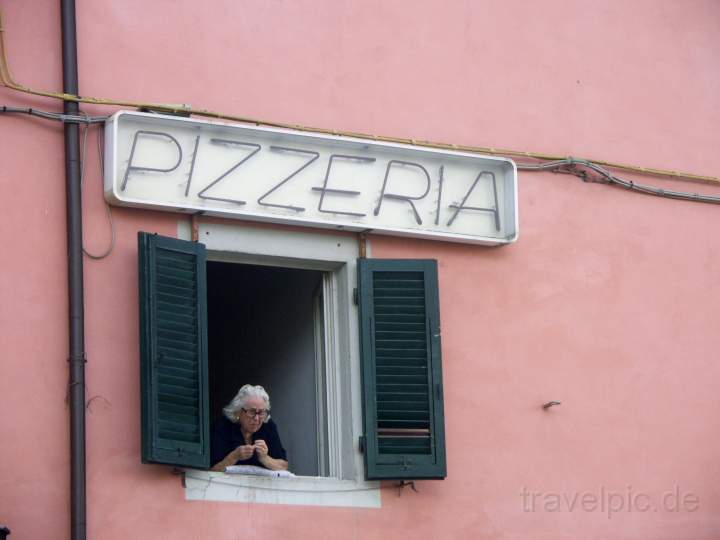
x,y
169,318
400,362
177,436
176,281
405,446
168,309
175,258
172,260
188,276
173,409
176,398
175,326
408,389
397,292
381,275
400,302
176,299
166,386
416,312
418,369
403,401
400,344
399,327
391,319
405,441
174,347
401,353
403,417
403,332
402,379
189,383
179,426
405,408
417,375
394,422
384,397
174,370
174,336
169,360
172,289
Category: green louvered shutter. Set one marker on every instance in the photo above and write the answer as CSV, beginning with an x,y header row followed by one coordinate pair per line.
x,y
402,373
173,352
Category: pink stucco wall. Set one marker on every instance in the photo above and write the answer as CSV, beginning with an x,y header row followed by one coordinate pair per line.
x,y
607,302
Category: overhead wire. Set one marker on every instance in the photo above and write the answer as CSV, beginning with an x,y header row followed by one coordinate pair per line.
x,y
570,166
7,80
49,115
566,165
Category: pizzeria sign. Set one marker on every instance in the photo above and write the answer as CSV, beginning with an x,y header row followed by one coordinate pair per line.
x,y
293,177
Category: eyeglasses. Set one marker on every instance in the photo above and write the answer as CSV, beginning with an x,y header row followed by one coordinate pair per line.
x,y
252,413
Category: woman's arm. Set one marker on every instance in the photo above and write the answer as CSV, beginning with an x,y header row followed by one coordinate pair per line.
x,y
274,464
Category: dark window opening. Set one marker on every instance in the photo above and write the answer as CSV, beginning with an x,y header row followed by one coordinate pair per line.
x,y
262,329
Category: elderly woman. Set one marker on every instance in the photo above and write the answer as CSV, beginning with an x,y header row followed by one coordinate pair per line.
x,y
245,435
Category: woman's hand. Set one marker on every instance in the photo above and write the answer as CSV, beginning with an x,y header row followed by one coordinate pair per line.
x,y
269,462
261,448
244,452
240,453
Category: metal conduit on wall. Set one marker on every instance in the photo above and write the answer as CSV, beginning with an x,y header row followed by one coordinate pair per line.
x,y
76,313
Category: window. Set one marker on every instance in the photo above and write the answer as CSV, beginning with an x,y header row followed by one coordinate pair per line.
x,y
382,407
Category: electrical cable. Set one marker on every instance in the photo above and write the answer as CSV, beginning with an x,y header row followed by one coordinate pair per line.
x,y
55,116
566,165
6,79
107,206
569,166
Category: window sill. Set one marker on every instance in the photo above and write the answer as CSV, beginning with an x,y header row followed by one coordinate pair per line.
x,y
304,490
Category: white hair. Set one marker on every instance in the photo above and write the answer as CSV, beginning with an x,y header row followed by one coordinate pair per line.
x,y
240,399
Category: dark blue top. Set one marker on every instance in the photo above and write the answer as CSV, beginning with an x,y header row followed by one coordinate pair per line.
x,y
226,436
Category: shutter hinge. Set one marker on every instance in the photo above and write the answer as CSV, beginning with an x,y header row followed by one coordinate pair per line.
x,y
361,442
356,297
181,474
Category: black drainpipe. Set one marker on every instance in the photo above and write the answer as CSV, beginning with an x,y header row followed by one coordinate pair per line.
x,y
76,388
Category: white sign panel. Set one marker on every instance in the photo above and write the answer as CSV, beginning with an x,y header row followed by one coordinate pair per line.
x,y
299,178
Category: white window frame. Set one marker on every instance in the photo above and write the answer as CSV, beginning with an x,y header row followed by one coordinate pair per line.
x,y
319,334
336,256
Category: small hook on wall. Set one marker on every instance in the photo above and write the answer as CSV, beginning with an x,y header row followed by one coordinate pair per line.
x,y
549,404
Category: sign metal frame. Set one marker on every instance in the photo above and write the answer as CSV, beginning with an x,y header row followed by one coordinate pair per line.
x,y
496,175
